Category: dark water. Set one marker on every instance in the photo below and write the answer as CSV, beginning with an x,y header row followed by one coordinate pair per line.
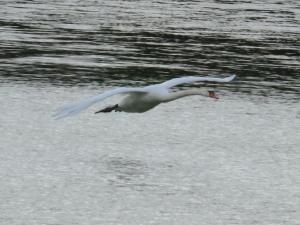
x,y
193,161
123,42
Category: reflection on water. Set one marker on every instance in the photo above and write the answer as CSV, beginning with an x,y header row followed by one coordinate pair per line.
x,y
125,172
119,42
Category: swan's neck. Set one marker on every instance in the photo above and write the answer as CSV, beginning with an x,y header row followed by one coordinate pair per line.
x,y
180,94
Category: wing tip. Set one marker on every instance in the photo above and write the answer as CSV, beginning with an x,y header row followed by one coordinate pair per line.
x,y
230,78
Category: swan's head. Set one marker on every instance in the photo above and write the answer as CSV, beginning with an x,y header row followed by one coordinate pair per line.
x,y
212,94
180,94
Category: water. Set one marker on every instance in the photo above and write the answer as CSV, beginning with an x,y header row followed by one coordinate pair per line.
x,y
191,161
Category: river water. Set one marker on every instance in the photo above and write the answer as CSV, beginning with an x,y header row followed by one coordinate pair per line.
x,y
191,161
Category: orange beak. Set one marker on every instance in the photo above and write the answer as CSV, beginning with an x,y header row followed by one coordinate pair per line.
x,y
212,94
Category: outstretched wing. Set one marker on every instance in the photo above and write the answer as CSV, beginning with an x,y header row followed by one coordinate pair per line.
x,y
75,108
191,79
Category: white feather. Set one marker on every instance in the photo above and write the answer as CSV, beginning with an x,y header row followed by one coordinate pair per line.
x,y
149,97
75,108
191,79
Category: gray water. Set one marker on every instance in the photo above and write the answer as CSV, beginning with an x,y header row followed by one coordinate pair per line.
x,y
191,161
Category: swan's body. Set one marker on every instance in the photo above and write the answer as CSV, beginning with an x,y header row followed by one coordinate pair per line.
x,y
142,99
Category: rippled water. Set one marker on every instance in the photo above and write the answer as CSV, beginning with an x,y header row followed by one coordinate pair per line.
x,y
192,161
79,42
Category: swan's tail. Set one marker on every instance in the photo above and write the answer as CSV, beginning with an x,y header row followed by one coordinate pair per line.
x,y
73,109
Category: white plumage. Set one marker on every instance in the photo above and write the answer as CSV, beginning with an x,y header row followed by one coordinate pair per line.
x,y
142,99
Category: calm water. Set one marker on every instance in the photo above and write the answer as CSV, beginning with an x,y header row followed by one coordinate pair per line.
x,y
193,161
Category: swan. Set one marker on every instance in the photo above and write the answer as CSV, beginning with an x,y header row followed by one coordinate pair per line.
x,y
141,99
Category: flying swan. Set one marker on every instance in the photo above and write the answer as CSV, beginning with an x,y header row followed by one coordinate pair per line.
x,y
139,100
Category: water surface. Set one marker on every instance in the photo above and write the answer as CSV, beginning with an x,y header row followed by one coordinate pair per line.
x,y
192,161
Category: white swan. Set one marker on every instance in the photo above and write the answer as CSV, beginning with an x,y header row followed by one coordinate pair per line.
x,y
142,99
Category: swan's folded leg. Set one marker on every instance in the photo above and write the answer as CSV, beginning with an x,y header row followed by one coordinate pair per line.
x,y
212,94
108,109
